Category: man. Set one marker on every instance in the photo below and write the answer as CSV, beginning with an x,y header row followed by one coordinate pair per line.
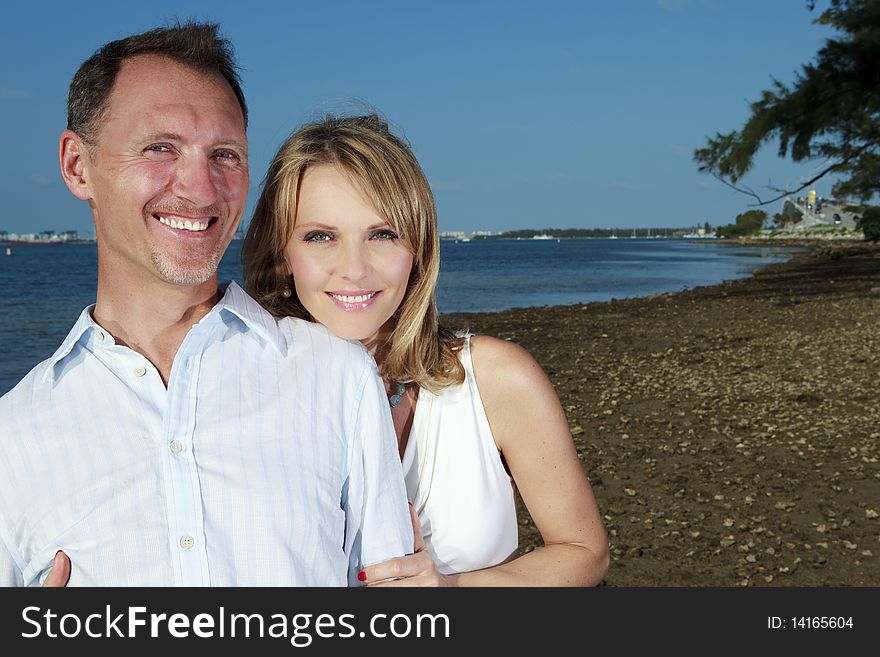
x,y
180,435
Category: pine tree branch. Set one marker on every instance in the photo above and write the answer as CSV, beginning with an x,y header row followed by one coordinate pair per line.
x,y
782,193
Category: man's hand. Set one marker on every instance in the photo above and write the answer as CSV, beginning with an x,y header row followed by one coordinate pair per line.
x,y
59,573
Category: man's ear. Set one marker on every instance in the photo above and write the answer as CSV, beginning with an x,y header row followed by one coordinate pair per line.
x,y
73,156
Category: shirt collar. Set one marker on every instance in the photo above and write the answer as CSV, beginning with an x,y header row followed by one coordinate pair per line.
x,y
234,300
242,305
84,328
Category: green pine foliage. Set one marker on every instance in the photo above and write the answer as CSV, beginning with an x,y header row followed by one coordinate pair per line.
x,y
869,223
747,223
831,111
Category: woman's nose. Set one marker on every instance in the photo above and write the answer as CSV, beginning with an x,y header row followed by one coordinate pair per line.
x,y
354,264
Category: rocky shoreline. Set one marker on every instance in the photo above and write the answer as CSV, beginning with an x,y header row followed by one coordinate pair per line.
x,y
731,432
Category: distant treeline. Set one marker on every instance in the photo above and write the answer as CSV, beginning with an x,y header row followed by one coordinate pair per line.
x,y
596,232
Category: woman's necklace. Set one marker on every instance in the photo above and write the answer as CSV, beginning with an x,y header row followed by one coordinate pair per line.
x,y
395,398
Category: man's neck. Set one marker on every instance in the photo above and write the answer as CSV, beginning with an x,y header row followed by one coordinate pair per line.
x,y
152,318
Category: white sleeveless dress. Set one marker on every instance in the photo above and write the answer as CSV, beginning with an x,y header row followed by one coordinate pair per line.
x,y
456,481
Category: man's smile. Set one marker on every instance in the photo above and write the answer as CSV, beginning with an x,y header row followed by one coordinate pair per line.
x,y
189,224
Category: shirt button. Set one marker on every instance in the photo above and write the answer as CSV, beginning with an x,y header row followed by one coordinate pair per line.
x,y
176,446
140,370
99,336
186,542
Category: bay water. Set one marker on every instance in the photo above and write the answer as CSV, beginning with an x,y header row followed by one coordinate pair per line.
x,y
47,286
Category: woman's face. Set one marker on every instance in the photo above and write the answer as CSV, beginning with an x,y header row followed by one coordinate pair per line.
x,y
349,265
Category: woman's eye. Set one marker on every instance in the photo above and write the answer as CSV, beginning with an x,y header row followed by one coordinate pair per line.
x,y
385,235
317,236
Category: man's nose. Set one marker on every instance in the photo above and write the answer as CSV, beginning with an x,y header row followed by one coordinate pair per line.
x,y
197,181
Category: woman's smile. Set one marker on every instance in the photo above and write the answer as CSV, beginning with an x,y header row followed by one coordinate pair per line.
x,y
354,301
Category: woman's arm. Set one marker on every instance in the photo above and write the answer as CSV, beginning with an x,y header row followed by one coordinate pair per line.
x,y
531,431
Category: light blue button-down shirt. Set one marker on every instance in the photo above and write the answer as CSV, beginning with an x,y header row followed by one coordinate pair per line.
x,y
269,460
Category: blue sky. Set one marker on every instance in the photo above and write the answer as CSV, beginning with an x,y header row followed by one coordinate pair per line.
x,y
523,114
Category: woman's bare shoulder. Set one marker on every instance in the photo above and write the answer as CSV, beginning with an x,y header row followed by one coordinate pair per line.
x,y
505,364
514,389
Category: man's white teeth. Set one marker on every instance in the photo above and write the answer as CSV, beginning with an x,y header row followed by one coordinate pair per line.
x,y
360,298
183,225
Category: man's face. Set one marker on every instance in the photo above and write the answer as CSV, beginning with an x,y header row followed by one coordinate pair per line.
x,y
168,177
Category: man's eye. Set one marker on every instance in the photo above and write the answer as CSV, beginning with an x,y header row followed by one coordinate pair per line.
x,y
158,148
317,236
227,155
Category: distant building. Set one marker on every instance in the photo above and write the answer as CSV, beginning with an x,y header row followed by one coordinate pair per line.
x,y
465,236
43,237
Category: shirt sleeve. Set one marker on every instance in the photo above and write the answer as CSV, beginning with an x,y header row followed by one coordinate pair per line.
x,y
10,574
377,517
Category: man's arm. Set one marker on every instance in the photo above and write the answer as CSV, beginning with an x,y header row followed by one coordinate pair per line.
x,y
377,515
10,573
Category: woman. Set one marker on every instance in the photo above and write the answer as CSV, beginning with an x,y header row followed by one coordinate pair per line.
x,y
345,234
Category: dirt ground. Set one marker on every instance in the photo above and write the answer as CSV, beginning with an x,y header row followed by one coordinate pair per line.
x,y
731,433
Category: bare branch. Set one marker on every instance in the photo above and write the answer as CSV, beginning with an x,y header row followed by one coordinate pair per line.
x,y
782,193
741,190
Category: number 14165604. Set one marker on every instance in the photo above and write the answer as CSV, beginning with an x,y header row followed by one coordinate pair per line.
x,y
809,622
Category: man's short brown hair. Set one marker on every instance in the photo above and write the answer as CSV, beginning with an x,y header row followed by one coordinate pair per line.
x,y
197,45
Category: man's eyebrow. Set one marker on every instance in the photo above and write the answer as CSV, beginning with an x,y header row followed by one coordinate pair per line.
x,y
173,136
162,136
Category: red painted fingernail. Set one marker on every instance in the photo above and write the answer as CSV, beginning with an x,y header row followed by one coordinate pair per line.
x,y
362,576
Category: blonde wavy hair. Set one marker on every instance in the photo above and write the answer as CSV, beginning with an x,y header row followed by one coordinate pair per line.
x,y
418,350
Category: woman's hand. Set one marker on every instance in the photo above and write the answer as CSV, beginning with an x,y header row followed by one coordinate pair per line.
x,y
417,569
59,573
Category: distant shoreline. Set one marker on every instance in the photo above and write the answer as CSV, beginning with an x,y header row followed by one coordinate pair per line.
x,y
46,242
815,242
741,241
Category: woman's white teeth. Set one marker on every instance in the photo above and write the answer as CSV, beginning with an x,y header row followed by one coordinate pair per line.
x,y
183,225
344,298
